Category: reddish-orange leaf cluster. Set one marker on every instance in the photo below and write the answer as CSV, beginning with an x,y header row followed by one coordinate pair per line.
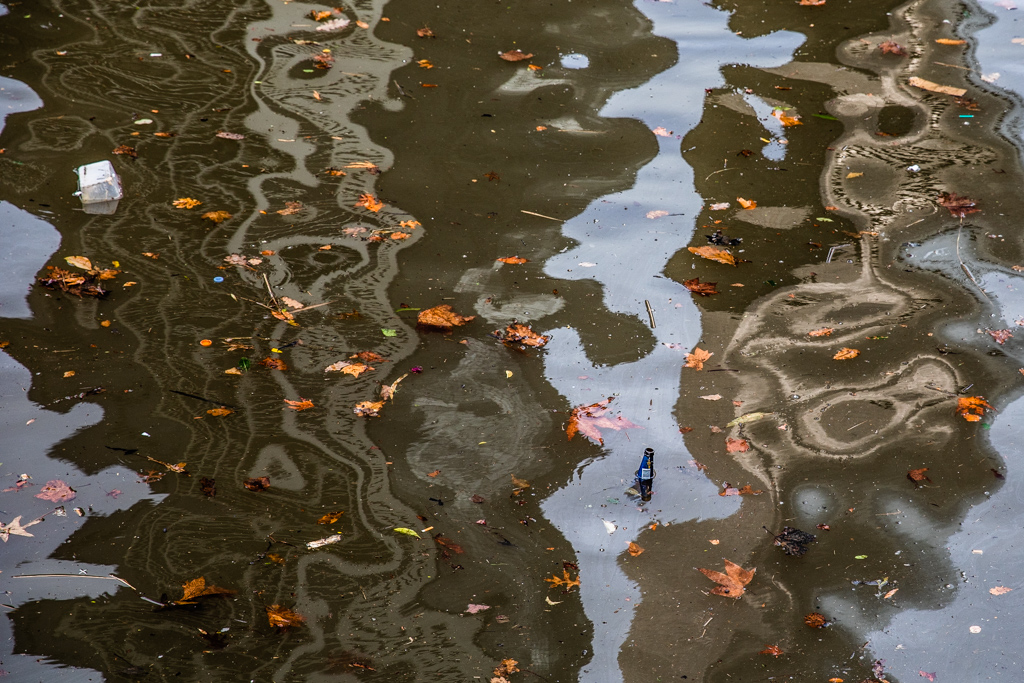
x,y
732,582
815,620
823,332
301,404
513,260
733,491
282,617
736,445
634,549
702,288
369,357
774,650
369,202
368,408
846,354
564,580
507,667
589,420
257,483
442,317
330,518
197,588
918,475
274,363
697,358
515,55
972,407
890,47
746,203
1000,336
517,333
958,205
424,32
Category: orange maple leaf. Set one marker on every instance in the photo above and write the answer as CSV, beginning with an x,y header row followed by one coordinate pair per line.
x,y
442,317
197,588
589,420
282,617
736,445
186,203
972,407
219,412
732,582
714,254
634,549
846,354
564,580
368,408
369,202
823,332
301,404
513,260
696,359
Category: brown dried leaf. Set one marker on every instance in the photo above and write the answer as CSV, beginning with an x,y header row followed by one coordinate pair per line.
x,y
126,151
774,650
330,518
935,87
186,203
515,55
369,357
197,588
823,332
368,408
79,262
697,358
890,47
56,491
217,216
282,617
518,333
702,288
736,445
219,412
290,208
714,254
301,404
257,483
507,667
634,549
519,483
564,580
424,32
732,582
958,205
816,620
274,363
355,369
589,420
442,317
1000,336
917,476
846,354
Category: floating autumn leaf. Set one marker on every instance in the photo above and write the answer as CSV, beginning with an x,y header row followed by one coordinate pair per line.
x,y
917,476
513,260
564,580
425,64
506,668
301,404
515,55
369,202
274,363
634,549
972,407
330,518
197,588
812,3
282,617
424,32
846,354
823,332
399,235
290,208
793,541
890,47
149,254
16,528
217,216
949,41
186,203
589,420
736,445
786,121
518,483
388,390
442,317
773,650
662,132
714,254
746,203
179,467
257,483
1000,336
816,620
208,486
322,61
475,609
744,491
369,357
999,590
517,333
434,473
79,262
697,358
219,412
702,288
320,15
355,369
958,205
732,582
368,408
935,87
125,150
230,136
657,214
56,491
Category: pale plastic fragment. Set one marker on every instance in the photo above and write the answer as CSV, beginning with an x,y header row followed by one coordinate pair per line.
x,y
99,187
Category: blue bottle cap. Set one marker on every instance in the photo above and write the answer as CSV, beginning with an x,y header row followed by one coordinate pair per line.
x,y
218,279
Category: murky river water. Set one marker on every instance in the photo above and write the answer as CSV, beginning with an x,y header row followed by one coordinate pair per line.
x,y
600,158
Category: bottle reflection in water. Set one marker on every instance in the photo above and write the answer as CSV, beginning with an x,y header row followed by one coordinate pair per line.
x,y
645,475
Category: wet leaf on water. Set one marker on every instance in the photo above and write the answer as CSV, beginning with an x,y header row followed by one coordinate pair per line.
x,y
935,87
793,541
492,176
354,369
217,216
275,558
330,518
125,150
811,3
744,491
662,132
197,588
890,47
747,419
854,174
369,202
301,404
720,206
634,549
56,491
334,24
657,214
773,650
823,527
507,666
388,391
208,486
972,407
186,203
442,317
816,620
999,590
151,476
732,583
958,205
219,412
712,397
322,60
515,55
362,24
518,483
702,288
230,136
589,420
846,354
517,333
274,363
79,262
448,544
746,203
925,674
257,483
1000,336
736,445
369,357
474,609
407,532
823,332
290,208
696,358
714,254
951,41
478,499
513,260
282,617
425,32
368,408
564,580
16,528
787,121
320,15
917,476
69,373
434,473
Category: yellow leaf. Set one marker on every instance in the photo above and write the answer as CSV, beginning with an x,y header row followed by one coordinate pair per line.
x,y
79,262
219,412
302,404
714,254
949,41
846,354
854,175
217,216
186,203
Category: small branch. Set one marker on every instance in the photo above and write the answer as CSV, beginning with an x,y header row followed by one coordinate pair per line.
x,y
108,577
650,313
540,215
271,292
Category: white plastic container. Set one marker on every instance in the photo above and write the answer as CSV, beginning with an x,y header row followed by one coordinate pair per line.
x,y
99,187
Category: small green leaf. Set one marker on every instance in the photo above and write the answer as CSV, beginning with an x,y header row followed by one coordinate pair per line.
x,y
407,532
388,332
824,220
244,363
407,308
860,557
826,117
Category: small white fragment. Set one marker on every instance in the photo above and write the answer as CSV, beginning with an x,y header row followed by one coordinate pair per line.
x,y
609,527
975,629
321,542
